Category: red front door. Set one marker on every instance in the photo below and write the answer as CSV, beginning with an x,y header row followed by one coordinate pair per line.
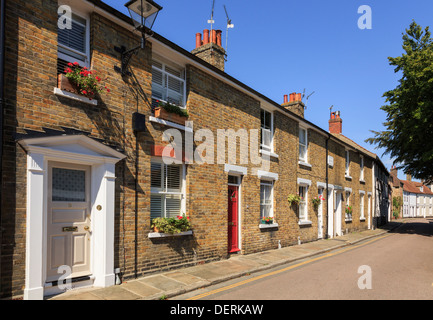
x,y
233,234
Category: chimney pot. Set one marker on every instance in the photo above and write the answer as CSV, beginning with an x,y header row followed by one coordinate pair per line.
x,y
218,37
286,98
213,36
198,40
205,36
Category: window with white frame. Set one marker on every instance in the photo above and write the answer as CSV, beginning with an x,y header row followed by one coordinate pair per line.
x,y
167,190
73,43
361,206
303,204
303,145
361,165
266,120
348,207
347,163
266,198
168,83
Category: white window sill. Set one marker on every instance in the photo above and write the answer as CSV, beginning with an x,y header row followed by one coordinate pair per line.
x,y
305,222
305,164
348,220
73,96
271,154
362,180
266,226
170,124
153,235
348,177
361,219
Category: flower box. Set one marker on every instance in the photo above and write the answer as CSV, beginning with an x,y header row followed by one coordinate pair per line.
x,y
267,220
64,84
161,113
171,225
153,235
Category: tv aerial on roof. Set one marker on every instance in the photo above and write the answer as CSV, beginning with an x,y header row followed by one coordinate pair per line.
x,y
230,25
212,21
308,97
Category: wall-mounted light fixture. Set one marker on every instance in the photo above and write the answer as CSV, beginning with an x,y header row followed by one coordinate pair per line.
x,y
143,14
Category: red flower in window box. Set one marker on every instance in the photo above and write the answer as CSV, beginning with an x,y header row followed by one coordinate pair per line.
x,y
80,80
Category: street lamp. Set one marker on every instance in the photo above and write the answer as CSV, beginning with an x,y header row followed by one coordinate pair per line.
x,y
143,14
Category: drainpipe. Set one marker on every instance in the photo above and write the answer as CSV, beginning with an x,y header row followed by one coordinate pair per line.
x,y
2,58
327,190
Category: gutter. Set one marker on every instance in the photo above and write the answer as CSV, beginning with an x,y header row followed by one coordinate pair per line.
x,y
2,59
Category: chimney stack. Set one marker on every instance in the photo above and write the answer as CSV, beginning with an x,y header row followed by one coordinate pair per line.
x,y
210,49
335,123
295,104
409,177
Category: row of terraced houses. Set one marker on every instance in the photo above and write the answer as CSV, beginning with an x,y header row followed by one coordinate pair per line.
x,y
83,178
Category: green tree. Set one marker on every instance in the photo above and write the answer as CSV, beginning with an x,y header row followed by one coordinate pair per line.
x,y
408,134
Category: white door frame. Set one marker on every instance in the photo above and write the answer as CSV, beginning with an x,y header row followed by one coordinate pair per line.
x,y
320,186
330,210
369,206
77,149
338,212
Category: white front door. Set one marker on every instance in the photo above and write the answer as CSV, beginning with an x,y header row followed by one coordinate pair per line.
x,y
68,219
320,216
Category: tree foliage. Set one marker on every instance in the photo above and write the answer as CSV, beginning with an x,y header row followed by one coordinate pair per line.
x,y
408,134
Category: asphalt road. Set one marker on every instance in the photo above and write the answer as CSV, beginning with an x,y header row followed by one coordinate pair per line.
x,y
398,265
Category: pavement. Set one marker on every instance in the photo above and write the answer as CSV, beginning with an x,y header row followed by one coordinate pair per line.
x,y
172,283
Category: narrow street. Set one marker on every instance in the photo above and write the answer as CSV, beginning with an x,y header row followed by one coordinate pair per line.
x,y
400,265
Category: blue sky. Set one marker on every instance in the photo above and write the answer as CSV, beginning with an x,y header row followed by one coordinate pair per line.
x,y
285,46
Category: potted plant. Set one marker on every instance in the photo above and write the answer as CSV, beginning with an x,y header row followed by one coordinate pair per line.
x,y
294,199
80,80
316,201
171,112
171,225
267,220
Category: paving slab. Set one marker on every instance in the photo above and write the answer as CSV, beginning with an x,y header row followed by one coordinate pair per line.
x,y
77,296
161,282
115,293
185,278
204,273
140,288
